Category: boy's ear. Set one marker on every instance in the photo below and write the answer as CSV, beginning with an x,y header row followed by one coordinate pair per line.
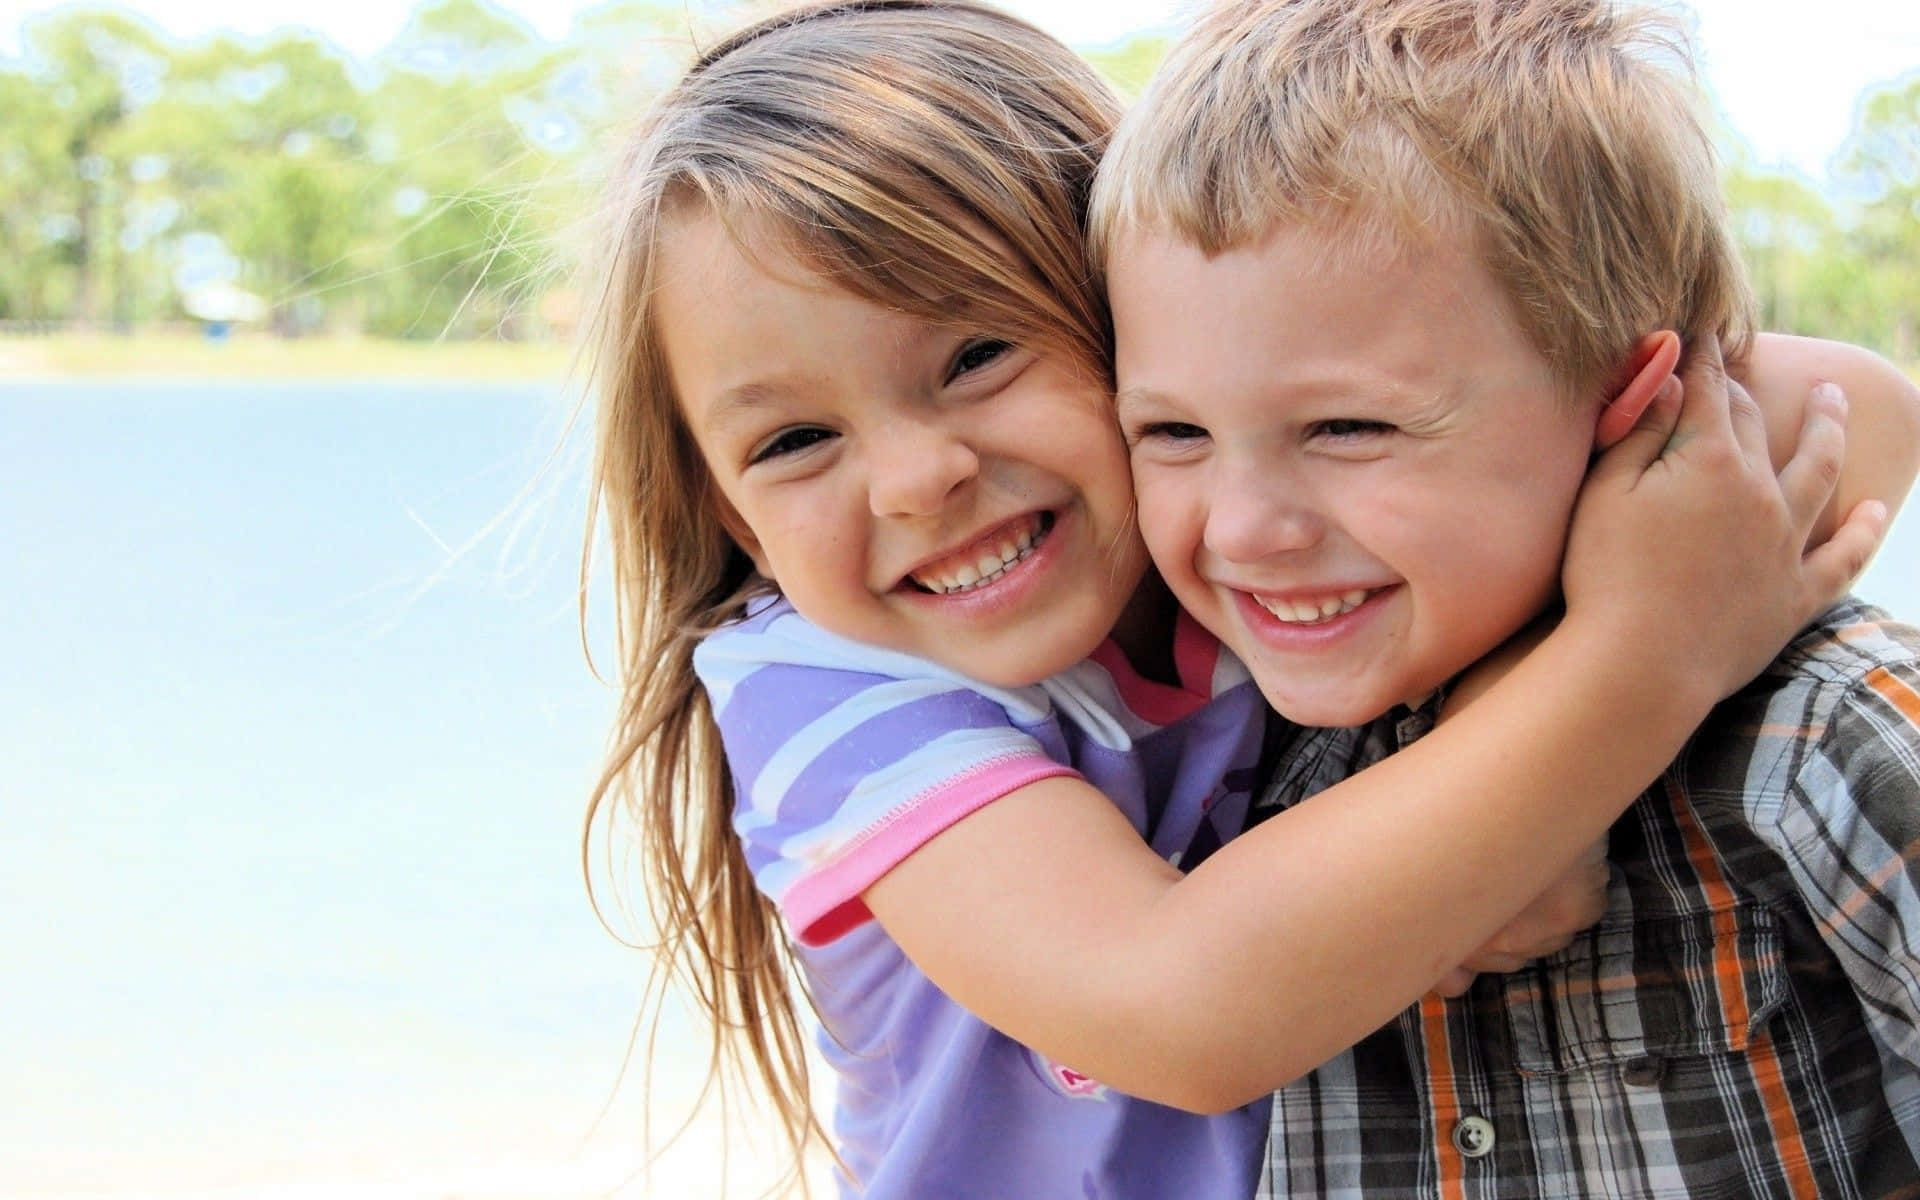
x,y
1649,365
738,530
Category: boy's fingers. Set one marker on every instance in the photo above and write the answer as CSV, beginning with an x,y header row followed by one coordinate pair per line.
x,y
1808,479
1830,568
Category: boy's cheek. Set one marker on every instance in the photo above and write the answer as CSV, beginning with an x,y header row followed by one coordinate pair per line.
x,y
1155,501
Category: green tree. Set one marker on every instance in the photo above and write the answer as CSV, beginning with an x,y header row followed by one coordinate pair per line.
x,y
1880,163
468,135
101,67
37,228
266,149
1131,63
1788,233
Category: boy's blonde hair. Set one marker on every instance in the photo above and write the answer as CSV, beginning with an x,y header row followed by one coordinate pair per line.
x,y
1559,135
932,156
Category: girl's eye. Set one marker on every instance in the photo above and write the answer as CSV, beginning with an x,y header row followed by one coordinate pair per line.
x,y
977,354
790,441
1347,428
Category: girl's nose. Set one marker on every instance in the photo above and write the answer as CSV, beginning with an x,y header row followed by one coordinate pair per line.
x,y
916,468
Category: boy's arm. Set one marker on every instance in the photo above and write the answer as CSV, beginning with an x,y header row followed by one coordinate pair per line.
x,y
1883,421
1849,832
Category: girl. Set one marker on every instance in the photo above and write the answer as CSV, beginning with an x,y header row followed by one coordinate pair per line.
x,y
855,451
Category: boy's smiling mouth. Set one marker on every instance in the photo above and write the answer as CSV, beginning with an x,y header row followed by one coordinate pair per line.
x,y
987,560
1312,610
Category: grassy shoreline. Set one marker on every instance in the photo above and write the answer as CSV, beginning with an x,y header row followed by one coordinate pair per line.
x,y
182,355
258,356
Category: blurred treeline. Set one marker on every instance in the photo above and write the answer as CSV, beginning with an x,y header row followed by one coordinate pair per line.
x,y
433,190
1843,262
422,193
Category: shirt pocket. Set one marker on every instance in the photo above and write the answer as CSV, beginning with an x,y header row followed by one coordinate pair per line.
x,y
1636,994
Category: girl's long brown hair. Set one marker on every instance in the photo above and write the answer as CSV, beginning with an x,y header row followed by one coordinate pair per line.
x,y
934,157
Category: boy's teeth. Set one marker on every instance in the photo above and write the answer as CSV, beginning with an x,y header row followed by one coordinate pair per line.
x,y
1309,612
948,577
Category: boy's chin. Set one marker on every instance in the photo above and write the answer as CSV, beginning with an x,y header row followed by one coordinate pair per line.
x,y
1325,711
1357,702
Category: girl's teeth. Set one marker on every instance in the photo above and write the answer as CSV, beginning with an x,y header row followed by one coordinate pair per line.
x,y
987,568
1308,612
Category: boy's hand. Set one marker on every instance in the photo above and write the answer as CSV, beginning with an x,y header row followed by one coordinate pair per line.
x,y
1686,549
1573,903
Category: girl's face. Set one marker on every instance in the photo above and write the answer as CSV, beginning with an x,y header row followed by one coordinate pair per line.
x,y
941,493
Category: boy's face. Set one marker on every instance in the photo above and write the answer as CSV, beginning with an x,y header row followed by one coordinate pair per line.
x,y
1350,464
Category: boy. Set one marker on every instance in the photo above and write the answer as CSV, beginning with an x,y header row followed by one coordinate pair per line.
x,y
1374,267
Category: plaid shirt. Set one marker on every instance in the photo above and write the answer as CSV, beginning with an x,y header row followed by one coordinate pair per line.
x,y
1743,1022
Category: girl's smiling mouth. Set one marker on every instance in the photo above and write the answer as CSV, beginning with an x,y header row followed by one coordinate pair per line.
x,y
985,561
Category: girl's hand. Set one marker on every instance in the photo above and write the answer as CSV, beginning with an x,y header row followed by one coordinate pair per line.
x,y
1570,904
1883,415
1686,549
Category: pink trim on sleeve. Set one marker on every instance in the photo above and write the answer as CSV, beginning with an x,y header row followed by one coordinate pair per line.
x,y
826,904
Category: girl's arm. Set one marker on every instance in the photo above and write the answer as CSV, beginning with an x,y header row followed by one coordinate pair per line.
x,y
1883,418
1780,372
1883,454
1571,903
1047,915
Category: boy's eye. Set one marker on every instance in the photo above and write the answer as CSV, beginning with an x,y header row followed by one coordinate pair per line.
x,y
977,354
789,441
1349,428
1169,431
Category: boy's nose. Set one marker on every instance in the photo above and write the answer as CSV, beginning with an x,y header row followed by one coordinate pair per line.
x,y
915,468
1252,516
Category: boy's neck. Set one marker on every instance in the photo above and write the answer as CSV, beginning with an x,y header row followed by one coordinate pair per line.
x,y
1144,631
1476,679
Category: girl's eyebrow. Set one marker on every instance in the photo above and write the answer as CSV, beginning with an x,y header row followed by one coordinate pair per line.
x,y
740,403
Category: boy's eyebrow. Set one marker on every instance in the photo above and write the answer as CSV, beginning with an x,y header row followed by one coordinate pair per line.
x,y
1144,395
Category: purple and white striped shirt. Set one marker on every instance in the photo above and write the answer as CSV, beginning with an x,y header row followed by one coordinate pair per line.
x,y
846,759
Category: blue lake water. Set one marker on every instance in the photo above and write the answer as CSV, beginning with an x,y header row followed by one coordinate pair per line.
x,y
295,735
295,732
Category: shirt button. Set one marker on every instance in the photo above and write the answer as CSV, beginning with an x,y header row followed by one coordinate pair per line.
x,y
1643,1072
1473,1137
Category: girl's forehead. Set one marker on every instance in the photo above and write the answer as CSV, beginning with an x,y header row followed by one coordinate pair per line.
x,y
745,327
706,235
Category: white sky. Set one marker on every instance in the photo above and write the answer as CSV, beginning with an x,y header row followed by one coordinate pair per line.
x,y
1786,72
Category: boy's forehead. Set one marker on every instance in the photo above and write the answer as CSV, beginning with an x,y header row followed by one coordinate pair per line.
x,y
1348,277
1363,237
1304,272
1267,348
